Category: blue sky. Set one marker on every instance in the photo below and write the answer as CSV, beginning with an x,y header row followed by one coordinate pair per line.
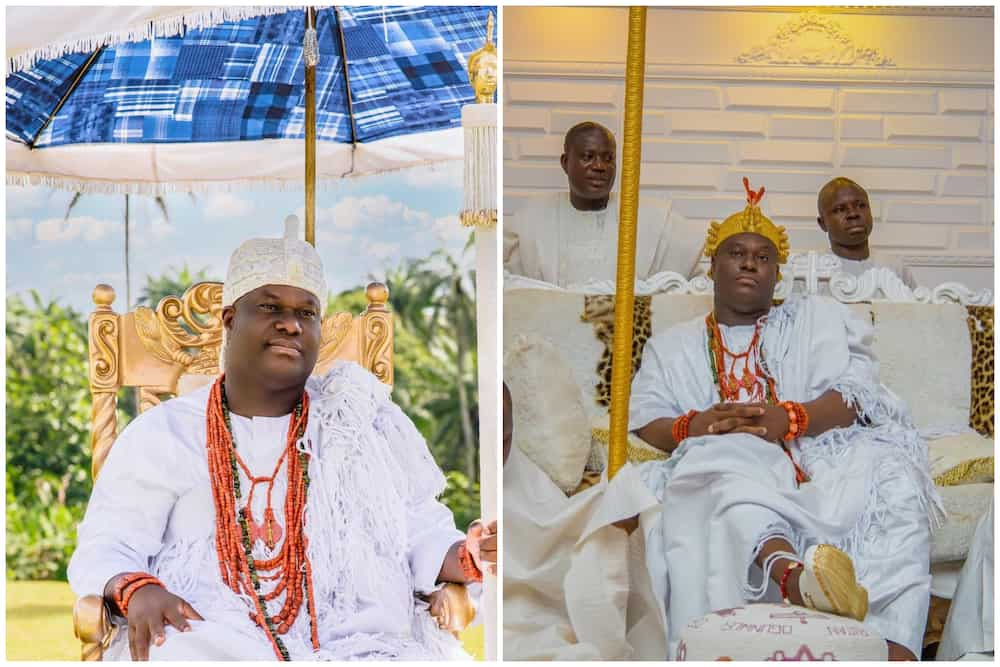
x,y
363,226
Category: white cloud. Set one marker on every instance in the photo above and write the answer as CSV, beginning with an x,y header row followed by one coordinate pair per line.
x,y
450,231
381,250
86,227
226,206
448,174
363,213
19,228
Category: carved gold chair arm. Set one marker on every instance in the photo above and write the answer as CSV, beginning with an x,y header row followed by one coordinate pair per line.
x,y
452,607
92,626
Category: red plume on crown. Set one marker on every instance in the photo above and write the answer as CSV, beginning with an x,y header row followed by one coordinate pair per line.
x,y
753,198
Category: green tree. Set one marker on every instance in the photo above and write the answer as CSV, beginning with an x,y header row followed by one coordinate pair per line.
x,y
172,283
48,399
48,435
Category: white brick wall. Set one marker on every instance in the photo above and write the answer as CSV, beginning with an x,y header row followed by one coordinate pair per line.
x,y
921,145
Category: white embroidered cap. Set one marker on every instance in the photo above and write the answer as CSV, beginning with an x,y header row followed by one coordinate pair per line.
x,y
281,261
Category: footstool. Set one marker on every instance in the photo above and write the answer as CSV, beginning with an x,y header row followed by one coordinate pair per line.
x,y
778,632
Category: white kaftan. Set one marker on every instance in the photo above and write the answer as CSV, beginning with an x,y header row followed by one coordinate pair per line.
x,y
870,492
570,591
875,260
550,240
376,533
969,629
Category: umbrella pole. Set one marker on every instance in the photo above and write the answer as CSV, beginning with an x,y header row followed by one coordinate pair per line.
x,y
621,364
310,104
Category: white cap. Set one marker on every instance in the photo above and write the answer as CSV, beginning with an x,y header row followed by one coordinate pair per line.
x,y
282,261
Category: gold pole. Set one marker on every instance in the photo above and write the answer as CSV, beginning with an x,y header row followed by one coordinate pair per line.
x,y
621,366
310,103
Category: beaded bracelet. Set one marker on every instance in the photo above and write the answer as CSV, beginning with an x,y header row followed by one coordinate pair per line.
x,y
784,580
798,419
681,426
126,587
469,568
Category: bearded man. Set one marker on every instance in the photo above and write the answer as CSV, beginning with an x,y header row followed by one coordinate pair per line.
x,y
273,515
794,474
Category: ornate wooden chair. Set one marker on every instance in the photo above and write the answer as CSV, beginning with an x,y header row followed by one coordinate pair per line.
x,y
174,349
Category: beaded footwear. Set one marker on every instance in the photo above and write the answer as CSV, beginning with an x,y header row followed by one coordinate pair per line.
x,y
828,583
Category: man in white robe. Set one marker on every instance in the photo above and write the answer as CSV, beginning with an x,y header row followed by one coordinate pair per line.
x,y
968,631
570,239
374,531
845,216
574,585
755,507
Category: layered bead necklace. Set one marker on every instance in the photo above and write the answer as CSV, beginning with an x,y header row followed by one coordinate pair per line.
x,y
758,383
236,532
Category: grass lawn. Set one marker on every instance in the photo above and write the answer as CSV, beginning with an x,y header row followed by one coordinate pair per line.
x,y
40,623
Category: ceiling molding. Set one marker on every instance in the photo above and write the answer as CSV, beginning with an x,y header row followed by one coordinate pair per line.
x,y
876,10
755,72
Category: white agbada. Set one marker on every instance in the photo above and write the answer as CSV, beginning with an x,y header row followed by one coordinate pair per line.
x,y
875,260
376,532
550,240
969,628
870,495
572,589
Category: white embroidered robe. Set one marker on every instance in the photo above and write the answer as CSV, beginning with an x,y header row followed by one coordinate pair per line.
x,y
548,239
376,532
870,493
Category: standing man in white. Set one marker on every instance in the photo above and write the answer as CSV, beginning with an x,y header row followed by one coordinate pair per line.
x,y
571,238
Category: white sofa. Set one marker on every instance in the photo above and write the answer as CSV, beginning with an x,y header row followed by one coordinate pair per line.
x,y
922,340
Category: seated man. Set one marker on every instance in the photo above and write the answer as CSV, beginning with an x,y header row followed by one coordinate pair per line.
x,y
571,238
569,590
791,465
845,215
273,515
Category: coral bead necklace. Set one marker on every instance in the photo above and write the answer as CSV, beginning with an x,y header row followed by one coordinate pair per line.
x,y
236,531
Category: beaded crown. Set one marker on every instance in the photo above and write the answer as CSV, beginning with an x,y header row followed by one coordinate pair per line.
x,y
749,220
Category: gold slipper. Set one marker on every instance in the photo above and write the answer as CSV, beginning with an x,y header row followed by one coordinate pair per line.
x,y
828,583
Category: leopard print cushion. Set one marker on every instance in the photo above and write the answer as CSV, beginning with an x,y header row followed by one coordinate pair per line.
x,y
981,332
599,310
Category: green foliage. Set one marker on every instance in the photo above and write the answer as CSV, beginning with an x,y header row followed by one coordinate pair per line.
x,y
462,497
172,283
48,401
40,536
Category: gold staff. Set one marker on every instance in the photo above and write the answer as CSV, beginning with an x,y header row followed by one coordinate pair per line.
x,y
621,365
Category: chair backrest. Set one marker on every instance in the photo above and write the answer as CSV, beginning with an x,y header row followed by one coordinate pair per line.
x,y
175,348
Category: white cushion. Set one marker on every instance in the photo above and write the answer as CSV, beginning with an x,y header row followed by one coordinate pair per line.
x,y
925,355
551,425
554,316
778,632
963,505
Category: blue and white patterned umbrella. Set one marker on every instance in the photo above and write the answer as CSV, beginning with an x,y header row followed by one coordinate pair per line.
x,y
223,104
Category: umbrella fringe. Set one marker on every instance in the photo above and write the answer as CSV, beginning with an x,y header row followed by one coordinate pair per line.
x,y
166,26
152,189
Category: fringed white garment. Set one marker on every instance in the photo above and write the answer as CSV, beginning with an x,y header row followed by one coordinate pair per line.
x,y
376,532
548,239
871,493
